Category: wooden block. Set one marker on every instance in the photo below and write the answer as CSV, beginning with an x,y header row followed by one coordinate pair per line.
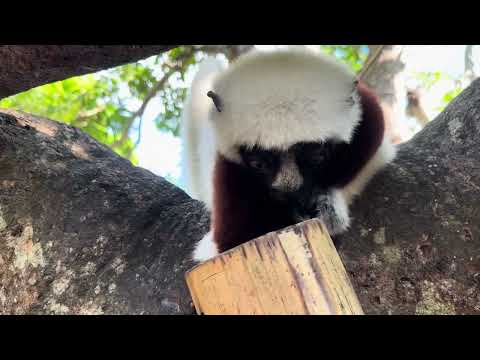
x,y
293,271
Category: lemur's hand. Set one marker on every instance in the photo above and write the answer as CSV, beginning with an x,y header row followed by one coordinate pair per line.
x,y
332,209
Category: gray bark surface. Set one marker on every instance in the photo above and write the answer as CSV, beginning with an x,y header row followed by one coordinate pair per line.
x,y
414,246
84,231
25,67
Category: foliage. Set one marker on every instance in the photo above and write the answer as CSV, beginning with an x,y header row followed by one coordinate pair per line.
x,y
428,80
452,94
352,55
87,102
109,105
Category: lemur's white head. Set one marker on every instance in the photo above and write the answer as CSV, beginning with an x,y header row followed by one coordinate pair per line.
x,y
279,98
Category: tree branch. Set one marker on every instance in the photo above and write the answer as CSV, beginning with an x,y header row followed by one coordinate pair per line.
x,y
24,67
384,73
179,66
83,115
84,231
375,52
139,112
469,73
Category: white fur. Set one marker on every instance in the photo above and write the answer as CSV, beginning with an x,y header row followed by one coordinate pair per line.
x,y
205,248
385,154
279,98
197,135
341,210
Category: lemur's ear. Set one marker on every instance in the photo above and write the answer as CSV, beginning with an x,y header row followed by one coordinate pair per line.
x,y
216,100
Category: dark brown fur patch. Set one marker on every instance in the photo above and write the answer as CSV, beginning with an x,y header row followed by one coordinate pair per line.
x,y
242,209
367,138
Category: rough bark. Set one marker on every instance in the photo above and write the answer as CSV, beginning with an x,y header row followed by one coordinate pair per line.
x,y
83,231
415,244
25,67
471,66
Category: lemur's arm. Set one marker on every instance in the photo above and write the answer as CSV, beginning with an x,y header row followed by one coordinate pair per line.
x,y
241,209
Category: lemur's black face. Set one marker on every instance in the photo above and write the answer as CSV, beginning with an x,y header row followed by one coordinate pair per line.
x,y
297,176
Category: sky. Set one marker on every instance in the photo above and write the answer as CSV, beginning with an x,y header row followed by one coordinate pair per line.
x,y
161,152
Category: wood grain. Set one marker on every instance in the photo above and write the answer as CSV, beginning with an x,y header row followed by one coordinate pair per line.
x,y
295,271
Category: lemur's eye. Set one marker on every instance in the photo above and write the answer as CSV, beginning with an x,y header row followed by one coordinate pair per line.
x,y
258,164
317,157
313,154
258,159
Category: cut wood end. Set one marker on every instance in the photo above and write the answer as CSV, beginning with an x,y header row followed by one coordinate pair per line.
x,y
294,271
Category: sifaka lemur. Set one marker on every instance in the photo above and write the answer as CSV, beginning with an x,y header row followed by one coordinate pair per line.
x,y
277,138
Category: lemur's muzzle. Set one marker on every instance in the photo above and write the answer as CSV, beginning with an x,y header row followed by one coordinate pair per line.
x,y
302,203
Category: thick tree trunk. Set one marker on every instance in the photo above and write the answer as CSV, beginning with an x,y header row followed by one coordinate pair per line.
x,y
415,244
471,63
25,67
83,231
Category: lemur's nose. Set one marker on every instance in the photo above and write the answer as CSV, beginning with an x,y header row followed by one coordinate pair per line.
x,y
290,197
308,206
279,195
302,202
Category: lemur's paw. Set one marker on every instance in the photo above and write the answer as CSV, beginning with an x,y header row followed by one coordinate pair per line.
x,y
333,211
